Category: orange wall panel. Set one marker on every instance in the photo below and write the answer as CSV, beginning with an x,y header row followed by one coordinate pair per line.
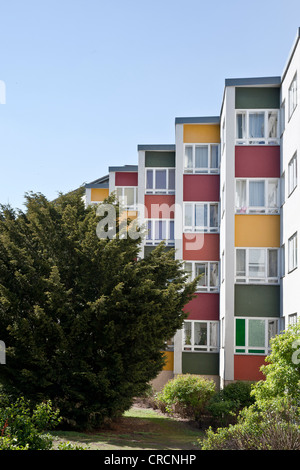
x,y
99,194
169,365
247,367
257,230
201,133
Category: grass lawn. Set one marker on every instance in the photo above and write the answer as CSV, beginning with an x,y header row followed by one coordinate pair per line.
x,y
139,429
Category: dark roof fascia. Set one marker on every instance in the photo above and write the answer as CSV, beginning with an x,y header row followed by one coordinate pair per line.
x,y
198,120
157,147
123,168
254,81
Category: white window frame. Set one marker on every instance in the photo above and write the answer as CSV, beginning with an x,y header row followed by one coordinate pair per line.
x,y
265,140
292,319
247,279
155,190
292,173
292,94
122,198
208,347
292,254
207,287
155,241
261,209
198,228
201,170
282,117
248,347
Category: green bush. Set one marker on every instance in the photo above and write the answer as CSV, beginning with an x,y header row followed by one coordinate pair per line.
x,y
225,405
187,395
24,429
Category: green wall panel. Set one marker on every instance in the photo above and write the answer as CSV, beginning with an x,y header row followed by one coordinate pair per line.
x,y
255,98
159,159
240,332
148,249
200,363
256,301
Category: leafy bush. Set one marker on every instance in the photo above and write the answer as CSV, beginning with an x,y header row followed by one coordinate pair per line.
x,y
225,405
187,395
24,429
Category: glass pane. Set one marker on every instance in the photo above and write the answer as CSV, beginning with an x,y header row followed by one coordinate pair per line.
x,y
272,329
149,179
256,125
214,274
257,264
240,263
160,230
188,157
256,333
119,195
240,332
256,193
188,215
272,263
201,156
214,157
273,194
200,333
201,215
240,195
129,197
201,269
213,334
214,215
189,271
240,126
272,124
187,333
149,227
171,179
171,234
161,179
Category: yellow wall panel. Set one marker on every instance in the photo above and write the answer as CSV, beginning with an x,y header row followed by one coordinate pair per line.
x,y
99,194
257,230
169,365
201,133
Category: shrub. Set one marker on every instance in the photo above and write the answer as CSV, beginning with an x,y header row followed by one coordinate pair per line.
x,y
225,405
24,429
187,395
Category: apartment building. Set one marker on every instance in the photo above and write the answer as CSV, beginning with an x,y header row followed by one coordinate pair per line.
x,y
225,196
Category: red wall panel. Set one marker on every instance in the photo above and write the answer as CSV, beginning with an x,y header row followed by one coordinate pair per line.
x,y
159,206
204,306
247,367
201,246
201,188
257,161
126,178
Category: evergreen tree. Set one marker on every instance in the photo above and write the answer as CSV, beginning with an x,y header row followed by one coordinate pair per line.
x,y
84,320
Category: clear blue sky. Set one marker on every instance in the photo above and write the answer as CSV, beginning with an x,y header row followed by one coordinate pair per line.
x,y
89,80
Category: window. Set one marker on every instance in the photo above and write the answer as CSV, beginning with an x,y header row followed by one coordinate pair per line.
x,y
257,265
201,158
257,196
209,272
292,319
253,335
201,217
282,260
160,181
293,173
282,189
127,197
200,336
293,262
158,230
282,118
257,127
293,96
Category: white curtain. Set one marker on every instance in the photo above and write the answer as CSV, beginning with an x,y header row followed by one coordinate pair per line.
x,y
256,125
201,156
256,193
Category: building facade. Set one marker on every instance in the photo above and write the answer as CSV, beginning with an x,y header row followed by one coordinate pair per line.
x,y
225,196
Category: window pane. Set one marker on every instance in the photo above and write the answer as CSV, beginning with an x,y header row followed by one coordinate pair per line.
x,y
240,332
214,215
188,215
273,194
171,179
257,263
201,268
171,234
256,333
129,196
189,271
272,329
188,158
240,262
149,179
161,179
201,157
256,125
214,274
149,227
200,333
187,333
119,195
272,263
272,124
201,215
240,126
241,195
256,193
214,156
214,334
160,230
